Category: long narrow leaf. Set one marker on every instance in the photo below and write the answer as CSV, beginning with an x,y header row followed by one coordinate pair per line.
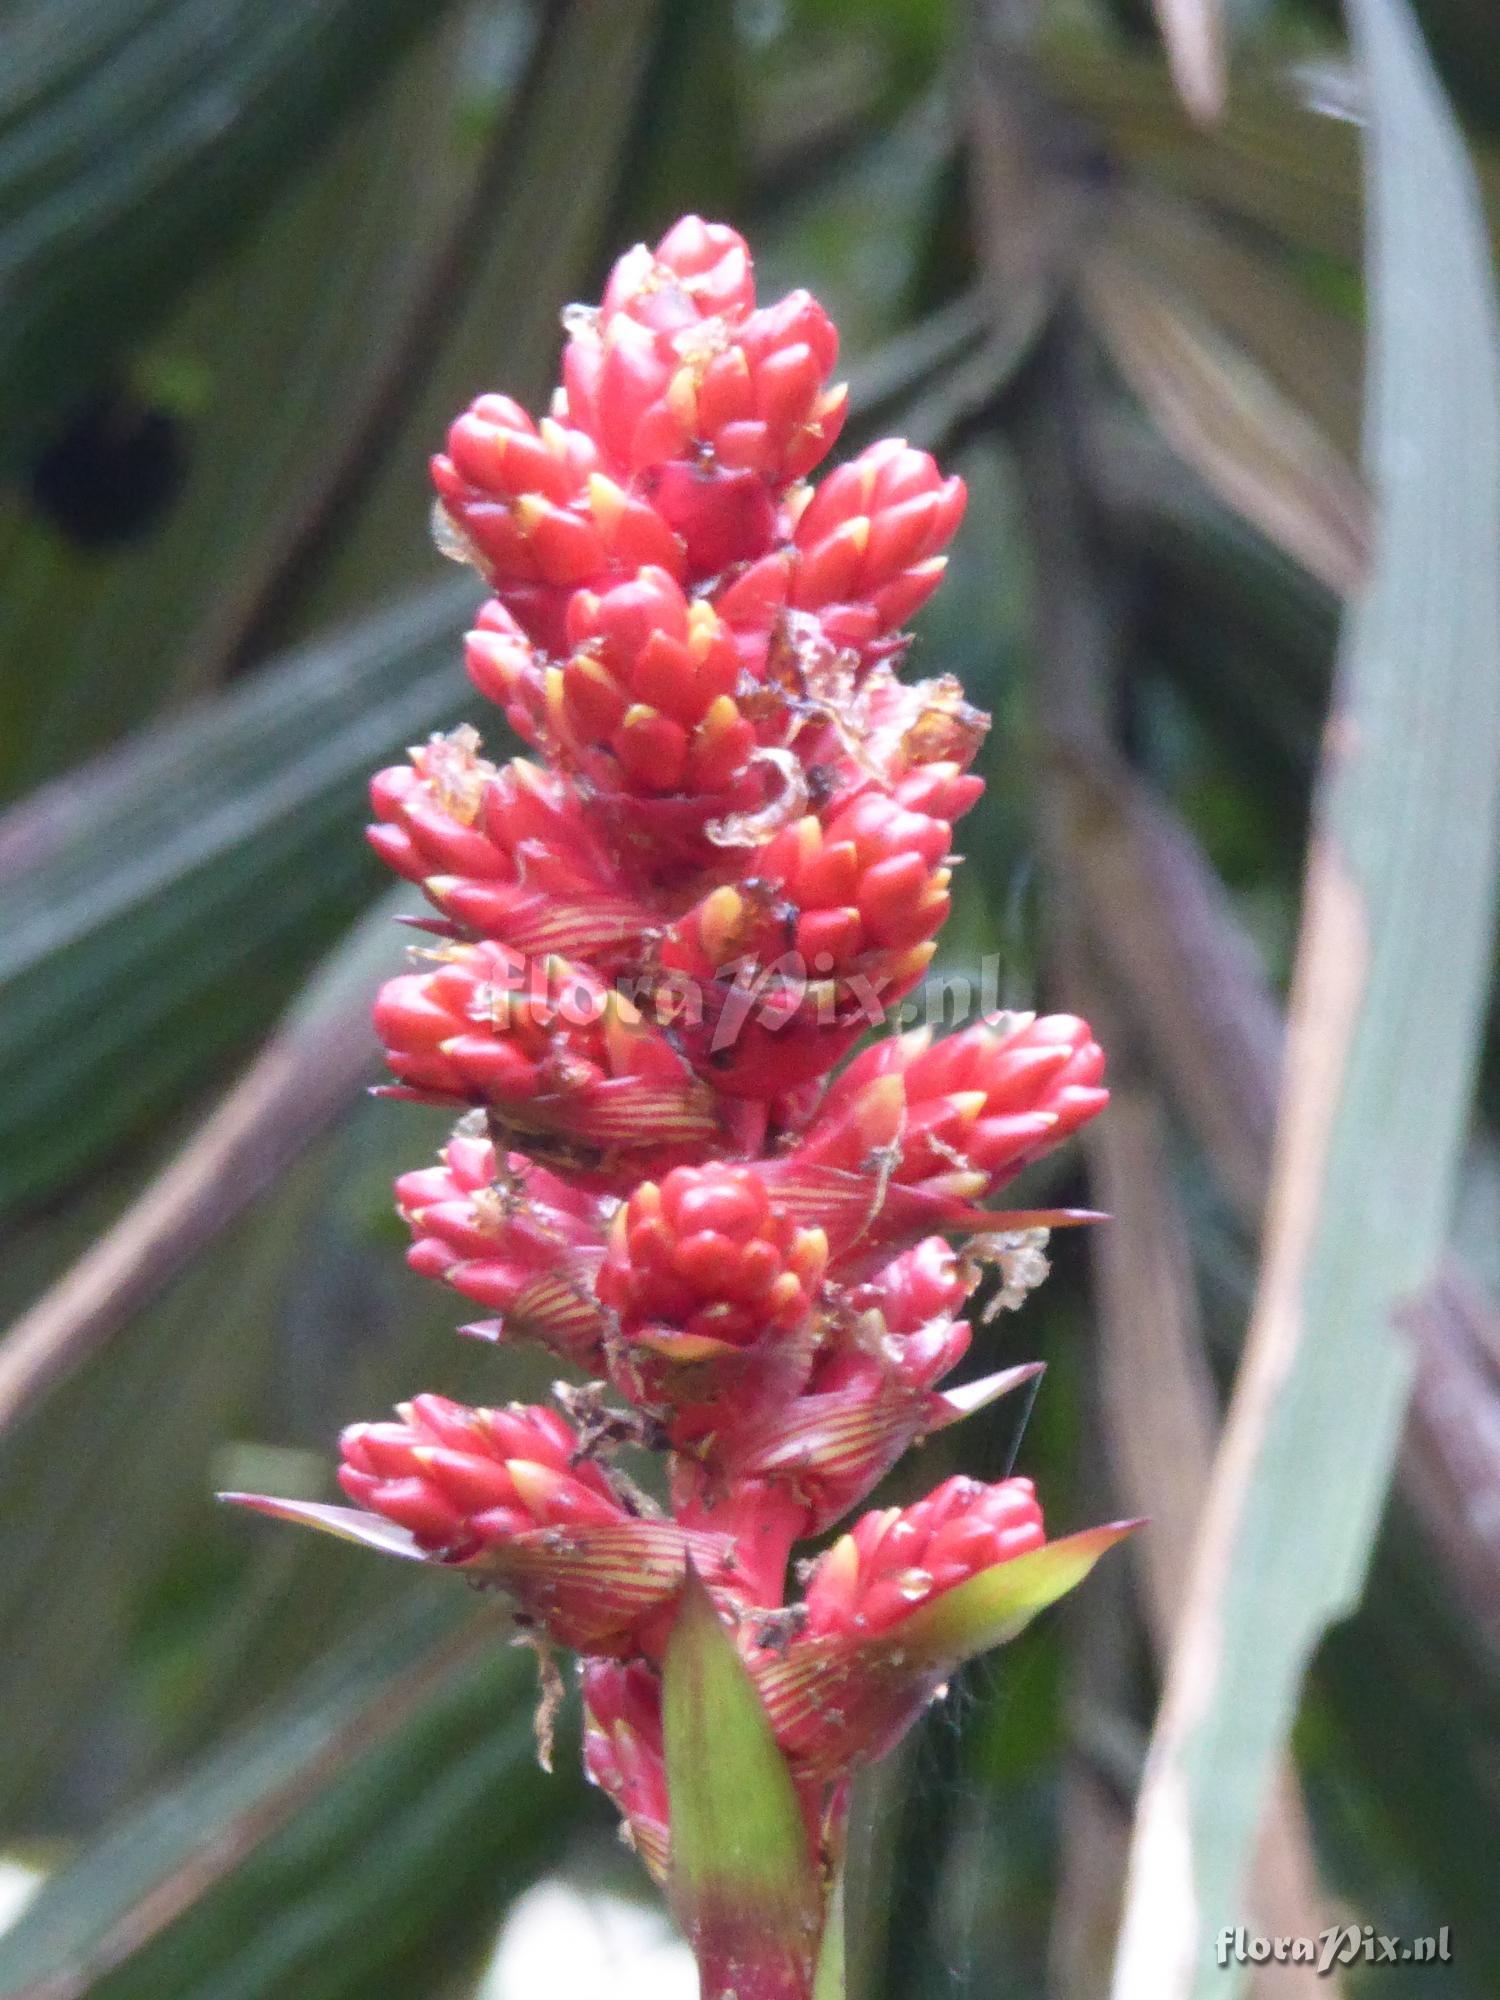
x,y
155,907
301,1082
1395,948
535,235
1272,158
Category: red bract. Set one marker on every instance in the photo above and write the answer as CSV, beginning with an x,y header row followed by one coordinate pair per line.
x,y
870,882
707,1261
697,270
534,512
926,1283
738,391
962,1115
712,1287
652,681
873,1645
659,937
512,1237
868,546
829,927
916,741
622,1753
505,854
429,812
463,1481
551,1051
506,1495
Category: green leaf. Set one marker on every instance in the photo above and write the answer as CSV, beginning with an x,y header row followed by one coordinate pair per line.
x,y
1395,952
742,1878
304,1080
1260,297
259,390
373,1823
535,235
167,903
1272,160
998,1603
155,908
829,1982
134,141
1406,1692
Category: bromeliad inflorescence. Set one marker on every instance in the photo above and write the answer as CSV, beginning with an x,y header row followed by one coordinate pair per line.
x,y
654,946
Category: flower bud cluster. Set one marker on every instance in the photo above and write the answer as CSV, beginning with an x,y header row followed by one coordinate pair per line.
x,y
657,940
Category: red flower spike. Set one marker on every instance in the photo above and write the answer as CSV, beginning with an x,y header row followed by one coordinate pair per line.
x,y
712,1285
646,701
505,666
698,271
428,812
916,742
871,881
726,855
868,1397
759,1518
719,517
646,720
833,1698
568,895
839,1696
928,1282
832,924
821,1453
703,403
744,391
